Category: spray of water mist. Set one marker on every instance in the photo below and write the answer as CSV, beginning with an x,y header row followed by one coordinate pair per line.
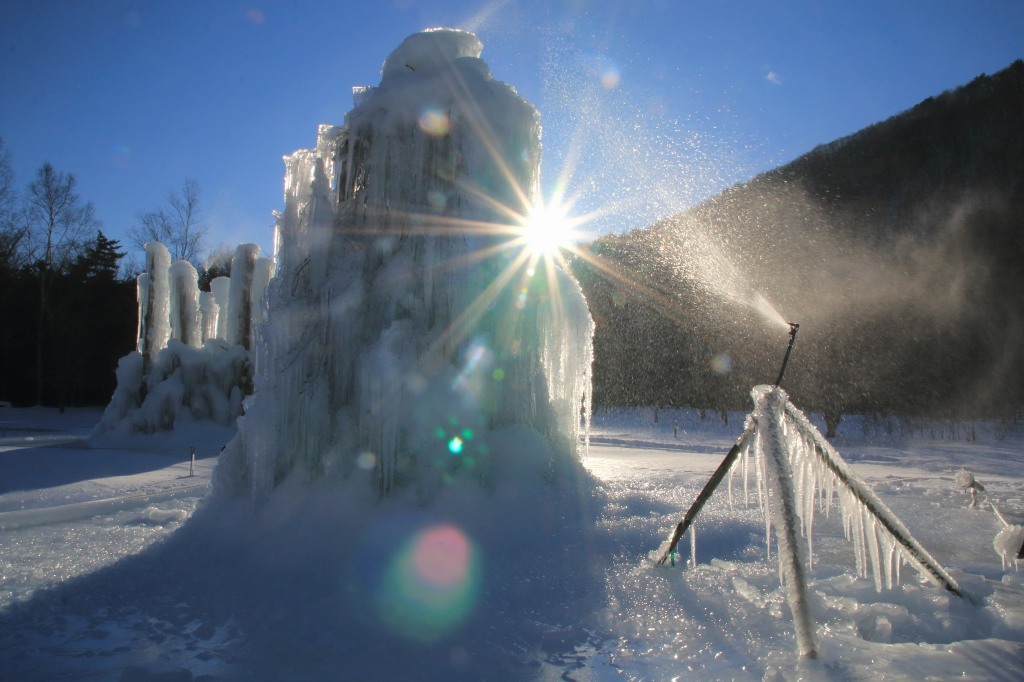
x,y
641,168
631,167
845,269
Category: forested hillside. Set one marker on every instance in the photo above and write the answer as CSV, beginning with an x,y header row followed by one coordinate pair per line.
x,y
898,249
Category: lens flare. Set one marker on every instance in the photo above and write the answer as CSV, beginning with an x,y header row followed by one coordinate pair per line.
x,y
432,584
610,79
440,557
121,157
434,122
721,364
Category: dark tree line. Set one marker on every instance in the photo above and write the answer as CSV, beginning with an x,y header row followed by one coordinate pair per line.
x,y
65,317
62,352
899,249
68,308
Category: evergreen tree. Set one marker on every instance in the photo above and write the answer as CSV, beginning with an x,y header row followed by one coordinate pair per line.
x,y
100,261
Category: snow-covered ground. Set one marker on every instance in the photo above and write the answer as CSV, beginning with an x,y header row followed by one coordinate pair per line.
x,y
104,575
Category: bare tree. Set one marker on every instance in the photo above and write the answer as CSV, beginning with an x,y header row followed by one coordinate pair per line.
x,y
177,227
13,231
59,225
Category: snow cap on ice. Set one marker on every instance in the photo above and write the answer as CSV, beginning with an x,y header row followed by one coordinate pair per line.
x,y
429,50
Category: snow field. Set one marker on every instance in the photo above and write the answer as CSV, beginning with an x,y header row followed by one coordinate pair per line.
x,y
316,583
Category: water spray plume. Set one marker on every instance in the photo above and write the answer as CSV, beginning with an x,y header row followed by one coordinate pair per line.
x,y
763,306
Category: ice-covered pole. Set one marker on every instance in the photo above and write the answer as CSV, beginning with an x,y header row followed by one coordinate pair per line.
x,y
785,516
707,492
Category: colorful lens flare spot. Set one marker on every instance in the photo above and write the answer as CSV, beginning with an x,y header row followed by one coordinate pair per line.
x,y
610,79
366,460
721,364
432,584
434,122
121,157
455,445
437,198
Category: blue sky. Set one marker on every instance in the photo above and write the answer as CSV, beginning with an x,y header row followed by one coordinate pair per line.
x,y
666,102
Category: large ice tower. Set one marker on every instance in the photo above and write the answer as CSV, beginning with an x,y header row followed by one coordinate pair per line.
x,y
410,339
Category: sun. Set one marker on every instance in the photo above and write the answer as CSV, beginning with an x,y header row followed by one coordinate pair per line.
x,y
547,230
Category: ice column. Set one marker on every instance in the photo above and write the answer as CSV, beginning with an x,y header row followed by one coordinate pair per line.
x,y
220,287
263,271
405,330
239,311
184,304
142,295
154,327
209,313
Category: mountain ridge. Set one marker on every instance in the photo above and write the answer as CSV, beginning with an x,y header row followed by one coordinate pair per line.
x,y
898,248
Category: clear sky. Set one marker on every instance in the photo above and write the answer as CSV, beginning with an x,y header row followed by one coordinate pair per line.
x,y
660,102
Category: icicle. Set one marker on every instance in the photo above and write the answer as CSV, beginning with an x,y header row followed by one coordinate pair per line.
x,y
871,534
693,546
859,546
890,555
746,474
861,496
830,493
808,504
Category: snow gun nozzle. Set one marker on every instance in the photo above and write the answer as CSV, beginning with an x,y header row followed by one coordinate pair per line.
x,y
793,328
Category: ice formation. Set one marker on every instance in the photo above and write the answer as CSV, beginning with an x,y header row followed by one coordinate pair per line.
x,y
1009,541
408,333
1009,545
184,367
220,287
184,304
797,470
154,302
784,474
820,476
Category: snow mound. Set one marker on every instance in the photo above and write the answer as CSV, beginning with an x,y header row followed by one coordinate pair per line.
x,y
154,516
